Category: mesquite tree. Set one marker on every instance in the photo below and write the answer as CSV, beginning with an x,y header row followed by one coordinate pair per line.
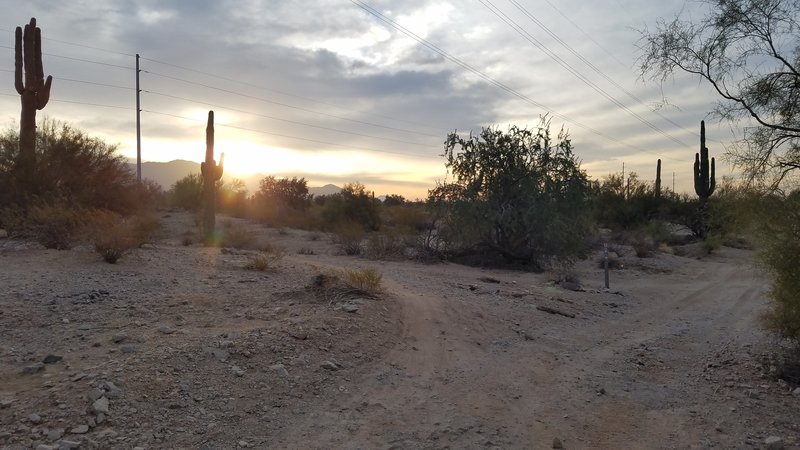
x,y
34,91
748,52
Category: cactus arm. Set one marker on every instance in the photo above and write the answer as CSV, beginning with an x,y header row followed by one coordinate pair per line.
x,y
43,96
712,181
697,188
18,84
658,179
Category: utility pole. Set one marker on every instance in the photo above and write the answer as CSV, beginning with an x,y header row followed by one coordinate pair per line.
x,y
138,126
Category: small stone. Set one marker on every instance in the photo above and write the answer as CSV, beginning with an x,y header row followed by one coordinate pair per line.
x,y
3,234
112,391
279,370
796,392
773,443
237,371
32,369
35,419
244,444
107,433
50,359
100,406
329,365
45,447
128,349
6,402
80,429
165,329
220,354
68,445
55,434
100,418
94,394
65,321
350,307
557,443
298,333
119,337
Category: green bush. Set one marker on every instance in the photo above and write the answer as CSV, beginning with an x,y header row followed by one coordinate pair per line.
x,y
779,235
518,197
353,205
55,226
187,193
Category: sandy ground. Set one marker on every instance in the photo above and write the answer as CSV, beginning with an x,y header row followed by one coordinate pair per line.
x,y
181,347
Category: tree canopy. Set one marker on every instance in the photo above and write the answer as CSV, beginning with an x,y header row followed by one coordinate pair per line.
x,y
748,51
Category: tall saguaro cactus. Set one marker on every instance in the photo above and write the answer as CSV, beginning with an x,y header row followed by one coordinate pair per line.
x,y
658,180
704,182
33,90
211,174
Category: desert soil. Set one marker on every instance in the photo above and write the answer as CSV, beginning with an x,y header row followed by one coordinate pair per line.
x,y
180,346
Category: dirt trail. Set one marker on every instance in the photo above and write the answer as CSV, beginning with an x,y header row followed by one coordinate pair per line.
x,y
462,379
208,355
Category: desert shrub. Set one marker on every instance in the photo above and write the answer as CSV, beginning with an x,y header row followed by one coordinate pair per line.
x,y
55,226
643,244
232,198
187,193
266,259
305,251
406,218
779,236
234,235
143,227
711,243
348,236
282,201
110,236
384,245
368,280
352,205
517,197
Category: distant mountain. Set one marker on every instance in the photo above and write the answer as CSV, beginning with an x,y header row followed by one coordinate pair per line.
x,y
167,173
328,189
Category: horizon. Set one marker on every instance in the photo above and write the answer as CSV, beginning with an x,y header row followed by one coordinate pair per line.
x,y
358,93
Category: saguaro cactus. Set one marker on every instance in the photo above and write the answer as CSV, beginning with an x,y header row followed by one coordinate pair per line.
x,y
658,180
33,90
211,174
704,182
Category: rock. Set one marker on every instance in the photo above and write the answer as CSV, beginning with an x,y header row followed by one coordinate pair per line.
x,y
68,445
796,392
557,443
94,394
119,337
298,333
55,434
45,447
50,359
35,419
107,433
100,406
329,365
773,443
237,371
111,389
572,286
165,329
244,444
279,370
128,349
3,234
80,429
6,402
33,368
350,307
220,354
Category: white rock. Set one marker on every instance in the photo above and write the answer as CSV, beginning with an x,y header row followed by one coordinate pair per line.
x,y
80,429
773,443
100,406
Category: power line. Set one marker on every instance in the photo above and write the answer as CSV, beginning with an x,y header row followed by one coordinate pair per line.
x,y
288,94
286,105
79,59
284,120
316,141
588,63
372,11
560,61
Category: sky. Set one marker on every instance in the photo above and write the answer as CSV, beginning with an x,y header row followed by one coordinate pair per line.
x,y
330,91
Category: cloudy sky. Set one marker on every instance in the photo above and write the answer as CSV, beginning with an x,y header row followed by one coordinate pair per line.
x,y
327,90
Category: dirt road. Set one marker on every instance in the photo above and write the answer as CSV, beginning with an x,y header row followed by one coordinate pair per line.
x,y
204,354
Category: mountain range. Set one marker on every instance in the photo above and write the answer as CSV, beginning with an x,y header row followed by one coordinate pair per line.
x,y
167,173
